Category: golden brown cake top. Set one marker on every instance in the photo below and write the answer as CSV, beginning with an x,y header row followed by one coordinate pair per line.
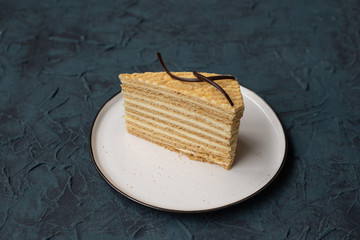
x,y
201,90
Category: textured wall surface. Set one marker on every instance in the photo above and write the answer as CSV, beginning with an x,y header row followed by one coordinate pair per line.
x,y
59,62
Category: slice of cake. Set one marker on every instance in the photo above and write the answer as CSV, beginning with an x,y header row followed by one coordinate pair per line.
x,y
191,117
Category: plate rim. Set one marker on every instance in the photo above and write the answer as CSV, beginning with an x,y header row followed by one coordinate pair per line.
x,y
186,211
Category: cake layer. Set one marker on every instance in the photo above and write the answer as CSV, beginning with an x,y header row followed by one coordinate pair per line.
x,y
176,98
174,127
176,124
181,114
180,121
178,135
178,104
172,138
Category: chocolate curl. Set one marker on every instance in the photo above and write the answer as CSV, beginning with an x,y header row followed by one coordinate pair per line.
x,y
199,78
203,78
172,75
218,77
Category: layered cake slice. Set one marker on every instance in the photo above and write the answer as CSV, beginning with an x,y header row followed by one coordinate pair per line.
x,y
185,112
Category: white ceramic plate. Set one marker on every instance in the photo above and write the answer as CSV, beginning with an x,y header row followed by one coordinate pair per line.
x,y
161,179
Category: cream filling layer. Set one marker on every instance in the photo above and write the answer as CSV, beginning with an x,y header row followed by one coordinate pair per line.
x,y
181,132
179,124
180,113
210,146
179,101
201,141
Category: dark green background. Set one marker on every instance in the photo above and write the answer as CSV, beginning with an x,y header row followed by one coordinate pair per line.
x,y
59,62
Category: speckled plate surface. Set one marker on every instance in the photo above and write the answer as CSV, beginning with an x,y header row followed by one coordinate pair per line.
x,y
161,179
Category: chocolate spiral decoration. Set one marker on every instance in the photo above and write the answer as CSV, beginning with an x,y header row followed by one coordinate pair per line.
x,y
203,78
199,78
